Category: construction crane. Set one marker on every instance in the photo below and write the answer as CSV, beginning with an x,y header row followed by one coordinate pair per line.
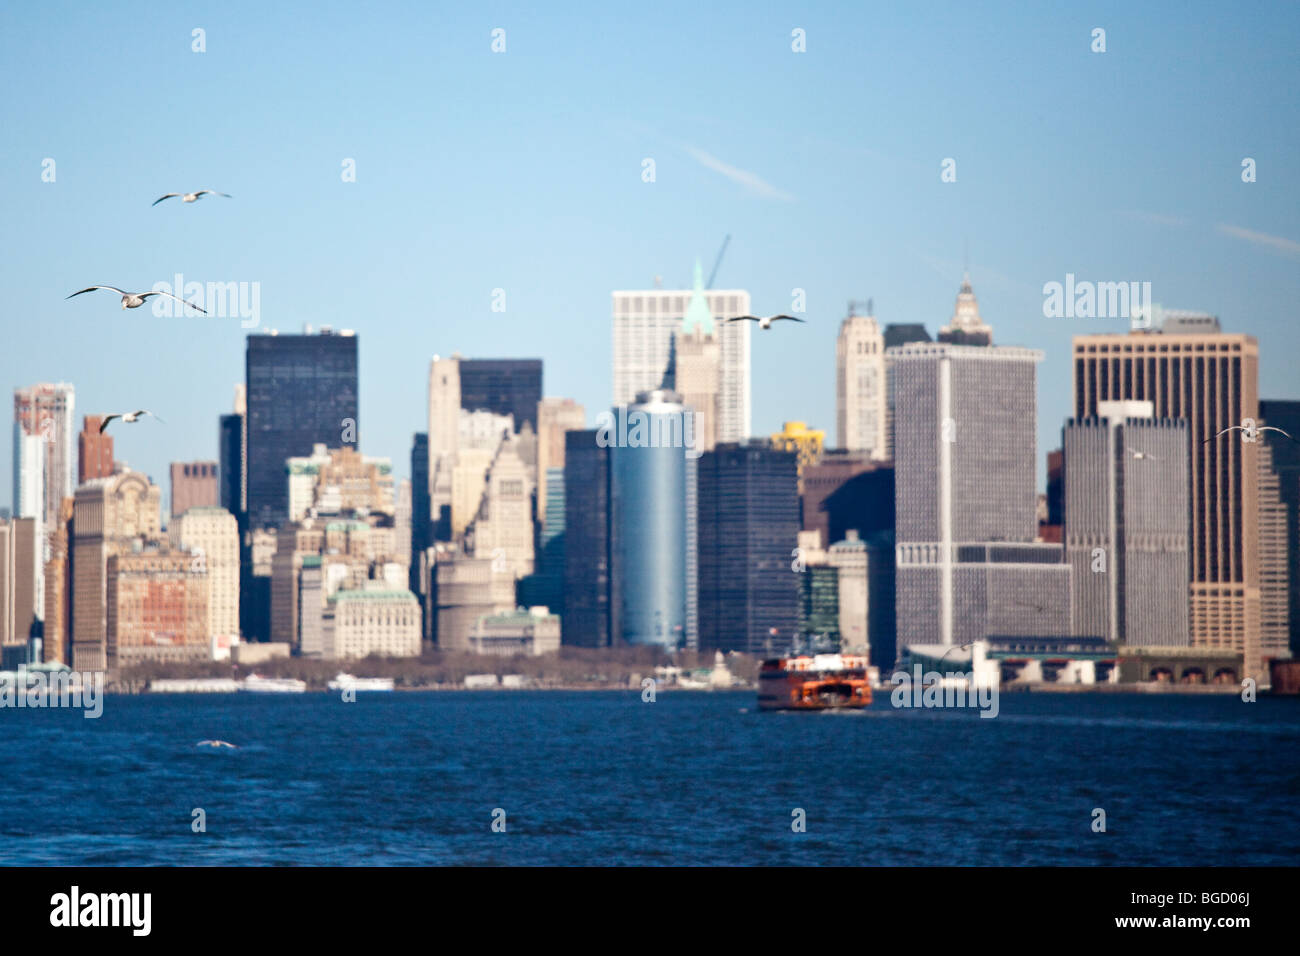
x,y
717,262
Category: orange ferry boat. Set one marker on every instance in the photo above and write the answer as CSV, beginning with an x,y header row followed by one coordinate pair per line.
x,y
817,682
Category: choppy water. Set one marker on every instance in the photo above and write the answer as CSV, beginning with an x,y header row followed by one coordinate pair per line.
x,y
693,778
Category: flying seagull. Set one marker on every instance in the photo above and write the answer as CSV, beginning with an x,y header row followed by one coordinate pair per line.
x,y
190,197
1141,455
133,300
765,322
215,743
1258,428
126,417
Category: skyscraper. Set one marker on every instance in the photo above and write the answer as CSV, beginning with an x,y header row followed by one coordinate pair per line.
x,y
421,515
555,416
302,390
194,484
443,439
94,450
645,323
967,567
502,386
896,334
1286,465
748,528
44,413
654,522
1126,528
1211,379
111,516
230,458
22,600
861,397
590,576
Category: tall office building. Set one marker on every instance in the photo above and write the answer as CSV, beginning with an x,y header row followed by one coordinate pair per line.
x,y
421,514
194,485
696,370
111,516
502,386
896,334
965,501
44,412
654,522
1211,379
645,323
502,527
1286,466
555,417
590,557
443,439
1126,529
748,528
211,536
861,399
1274,558
22,600
302,391
230,458
94,450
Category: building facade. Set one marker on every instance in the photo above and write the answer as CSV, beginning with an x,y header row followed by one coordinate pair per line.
x,y
1127,525
861,396
590,556
748,529
645,324
194,485
211,535
1211,379
301,391
654,521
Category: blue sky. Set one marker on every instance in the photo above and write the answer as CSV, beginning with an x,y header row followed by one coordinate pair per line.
x,y
522,171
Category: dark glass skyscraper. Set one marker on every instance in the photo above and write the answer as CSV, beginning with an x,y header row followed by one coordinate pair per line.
x,y
502,386
749,525
589,572
230,464
302,389
421,515
1286,464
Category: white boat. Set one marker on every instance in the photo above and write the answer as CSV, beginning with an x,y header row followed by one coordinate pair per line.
x,y
273,685
348,682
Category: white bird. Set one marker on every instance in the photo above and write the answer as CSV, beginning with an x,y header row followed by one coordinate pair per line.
x,y
1141,455
126,417
133,300
215,743
765,322
190,197
1242,428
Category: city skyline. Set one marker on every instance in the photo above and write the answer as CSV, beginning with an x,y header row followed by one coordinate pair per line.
x,y
1173,210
